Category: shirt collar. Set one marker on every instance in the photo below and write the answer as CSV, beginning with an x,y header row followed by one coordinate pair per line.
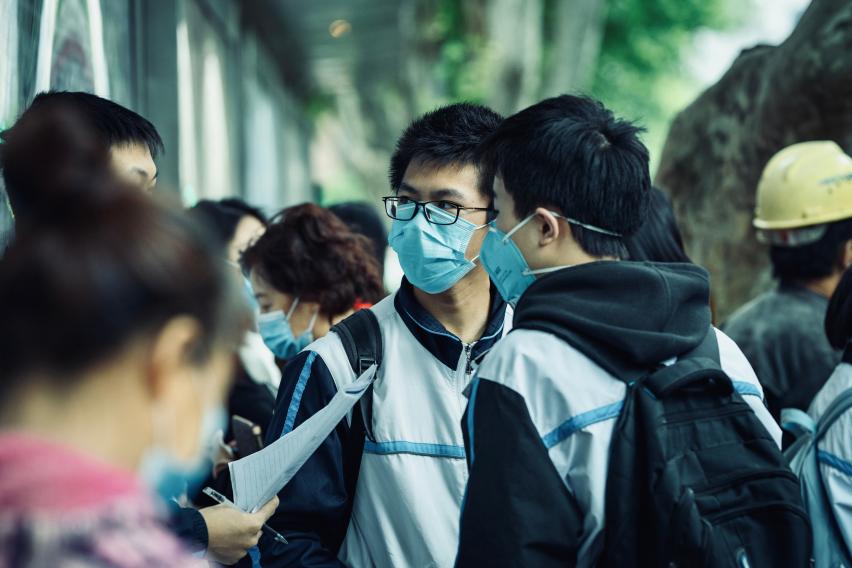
x,y
432,334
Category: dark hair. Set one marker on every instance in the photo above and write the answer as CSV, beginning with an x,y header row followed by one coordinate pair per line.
x,y
446,136
362,218
658,238
310,253
838,317
109,123
246,209
103,265
812,261
572,154
223,217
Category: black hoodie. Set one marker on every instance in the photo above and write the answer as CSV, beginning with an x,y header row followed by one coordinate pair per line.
x,y
625,316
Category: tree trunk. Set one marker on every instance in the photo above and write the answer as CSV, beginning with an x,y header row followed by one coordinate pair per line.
x,y
772,96
577,33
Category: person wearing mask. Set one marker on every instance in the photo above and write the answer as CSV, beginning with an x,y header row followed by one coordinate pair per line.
x,y
238,225
115,398
45,141
571,182
394,499
804,214
308,272
252,394
835,448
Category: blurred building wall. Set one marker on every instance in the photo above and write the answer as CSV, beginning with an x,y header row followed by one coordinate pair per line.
x,y
231,124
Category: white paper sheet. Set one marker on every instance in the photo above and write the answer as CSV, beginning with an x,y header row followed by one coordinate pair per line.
x,y
257,478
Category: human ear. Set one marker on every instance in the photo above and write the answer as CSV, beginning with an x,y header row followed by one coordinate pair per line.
x,y
549,227
846,255
170,353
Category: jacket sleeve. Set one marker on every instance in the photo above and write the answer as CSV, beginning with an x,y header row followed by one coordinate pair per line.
x,y
517,510
189,526
314,508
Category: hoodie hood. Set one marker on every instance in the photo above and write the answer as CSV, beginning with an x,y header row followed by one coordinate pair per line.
x,y
626,316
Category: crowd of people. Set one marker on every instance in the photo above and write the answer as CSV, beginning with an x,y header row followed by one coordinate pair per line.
x,y
551,388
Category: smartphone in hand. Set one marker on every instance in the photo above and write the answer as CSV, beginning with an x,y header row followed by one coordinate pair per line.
x,y
247,435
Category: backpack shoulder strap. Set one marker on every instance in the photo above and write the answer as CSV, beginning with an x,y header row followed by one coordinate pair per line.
x,y
834,411
361,337
700,365
797,422
362,340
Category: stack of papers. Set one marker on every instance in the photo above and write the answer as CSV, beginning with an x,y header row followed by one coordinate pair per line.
x,y
257,478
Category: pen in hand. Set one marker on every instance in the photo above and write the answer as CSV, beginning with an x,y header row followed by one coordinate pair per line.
x,y
222,500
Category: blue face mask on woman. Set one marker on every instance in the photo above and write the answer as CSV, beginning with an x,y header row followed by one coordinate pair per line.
x,y
277,332
166,476
506,265
432,256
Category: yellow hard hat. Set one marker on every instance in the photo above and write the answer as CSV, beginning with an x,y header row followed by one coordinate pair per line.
x,y
803,185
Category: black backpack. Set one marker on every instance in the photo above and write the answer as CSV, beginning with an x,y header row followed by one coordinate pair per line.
x,y
362,341
695,479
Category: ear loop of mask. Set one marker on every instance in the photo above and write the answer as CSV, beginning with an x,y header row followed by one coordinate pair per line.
x,y
489,225
292,310
539,271
310,327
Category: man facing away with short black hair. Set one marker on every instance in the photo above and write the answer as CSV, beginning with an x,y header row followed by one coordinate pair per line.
x,y
392,498
571,181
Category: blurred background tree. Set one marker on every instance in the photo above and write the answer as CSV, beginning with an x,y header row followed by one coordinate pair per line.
x,y
509,54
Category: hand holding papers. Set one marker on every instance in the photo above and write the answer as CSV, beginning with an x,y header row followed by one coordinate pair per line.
x,y
257,478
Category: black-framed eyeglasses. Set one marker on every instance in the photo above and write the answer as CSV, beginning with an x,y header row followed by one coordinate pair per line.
x,y
436,212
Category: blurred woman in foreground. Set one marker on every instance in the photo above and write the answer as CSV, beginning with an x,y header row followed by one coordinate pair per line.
x,y
117,336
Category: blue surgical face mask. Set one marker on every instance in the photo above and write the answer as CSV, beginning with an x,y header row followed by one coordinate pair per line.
x,y
432,256
277,332
506,265
167,476
248,292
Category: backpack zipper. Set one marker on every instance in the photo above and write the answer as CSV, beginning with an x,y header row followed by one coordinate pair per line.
x,y
732,480
706,414
728,515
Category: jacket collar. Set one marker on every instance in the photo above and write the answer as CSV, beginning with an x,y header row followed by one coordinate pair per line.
x,y
432,334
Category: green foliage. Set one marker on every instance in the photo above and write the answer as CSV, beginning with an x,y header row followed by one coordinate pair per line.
x,y
462,59
640,71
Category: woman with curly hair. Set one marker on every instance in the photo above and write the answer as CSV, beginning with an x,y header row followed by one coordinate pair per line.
x,y
308,272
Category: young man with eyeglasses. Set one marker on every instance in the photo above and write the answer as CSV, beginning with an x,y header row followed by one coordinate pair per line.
x,y
404,509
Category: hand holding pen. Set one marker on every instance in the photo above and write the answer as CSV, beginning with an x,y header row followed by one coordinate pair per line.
x,y
221,499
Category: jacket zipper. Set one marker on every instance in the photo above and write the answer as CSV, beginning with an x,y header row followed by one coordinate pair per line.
x,y
468,368
733,480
